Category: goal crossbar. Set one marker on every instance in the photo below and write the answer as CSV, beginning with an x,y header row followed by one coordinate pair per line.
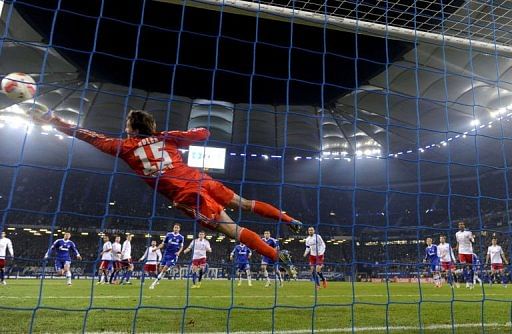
x,y
305,17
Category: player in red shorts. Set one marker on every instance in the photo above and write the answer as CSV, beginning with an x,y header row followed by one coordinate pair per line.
x,y
445,253
315,247
152,257
5,245
497,257
155,157
200,246
465,240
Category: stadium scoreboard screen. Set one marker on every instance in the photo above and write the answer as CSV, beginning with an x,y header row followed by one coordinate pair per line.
x,y
211,158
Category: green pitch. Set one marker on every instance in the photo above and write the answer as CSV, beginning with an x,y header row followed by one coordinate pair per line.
x,y
219,305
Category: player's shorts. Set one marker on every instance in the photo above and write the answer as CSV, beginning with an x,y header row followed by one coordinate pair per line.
x,y
150,268
466,258
105,265
244,266
2,263
497,266
59,264
267,261
209,196
199,262
317,260
447,265
126,263
118,265
169,261
434,266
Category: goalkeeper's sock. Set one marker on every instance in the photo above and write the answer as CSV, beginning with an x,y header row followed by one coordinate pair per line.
x,y
266,210
253,241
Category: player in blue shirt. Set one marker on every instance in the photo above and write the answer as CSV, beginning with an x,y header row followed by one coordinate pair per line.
x,y
62,248
173,244
478,269
268,262
432,259
241,253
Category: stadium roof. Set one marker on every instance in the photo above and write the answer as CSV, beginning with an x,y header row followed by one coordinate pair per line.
x,y
429,97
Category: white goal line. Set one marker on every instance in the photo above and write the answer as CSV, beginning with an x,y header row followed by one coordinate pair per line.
x,y
349,329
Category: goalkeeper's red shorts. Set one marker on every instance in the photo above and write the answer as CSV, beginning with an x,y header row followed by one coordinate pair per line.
x,y
205,202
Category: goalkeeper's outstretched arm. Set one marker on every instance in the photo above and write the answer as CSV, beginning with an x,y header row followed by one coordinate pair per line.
x,y
106,144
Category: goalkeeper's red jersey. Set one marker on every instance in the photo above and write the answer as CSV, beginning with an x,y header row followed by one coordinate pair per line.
x,y
156,159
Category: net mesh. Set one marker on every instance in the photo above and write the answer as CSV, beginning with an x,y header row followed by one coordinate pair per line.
x,y
378,143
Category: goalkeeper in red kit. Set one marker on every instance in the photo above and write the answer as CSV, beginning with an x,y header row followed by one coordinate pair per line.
x,y
155,157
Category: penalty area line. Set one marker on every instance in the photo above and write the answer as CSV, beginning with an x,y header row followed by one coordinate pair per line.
x,y
246,296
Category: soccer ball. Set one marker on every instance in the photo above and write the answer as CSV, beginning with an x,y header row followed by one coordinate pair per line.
x,y
19,86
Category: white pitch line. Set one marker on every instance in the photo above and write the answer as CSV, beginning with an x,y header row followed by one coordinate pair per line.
x,y
320,296
347,329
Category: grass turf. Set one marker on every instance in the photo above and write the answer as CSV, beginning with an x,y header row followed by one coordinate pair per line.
x,y
219,305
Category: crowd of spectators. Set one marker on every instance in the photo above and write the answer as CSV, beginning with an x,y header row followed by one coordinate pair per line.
x,y
361,255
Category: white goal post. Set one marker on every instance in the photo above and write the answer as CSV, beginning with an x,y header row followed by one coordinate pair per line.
x,y
281,13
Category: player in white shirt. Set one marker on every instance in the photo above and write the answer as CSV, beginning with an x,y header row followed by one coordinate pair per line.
x,y
152,256
116,257
496,256
199,246
106,260
126,259
465,240
447,258
315,247
5,245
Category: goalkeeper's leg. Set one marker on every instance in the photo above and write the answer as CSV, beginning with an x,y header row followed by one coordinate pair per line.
x,y
253,241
